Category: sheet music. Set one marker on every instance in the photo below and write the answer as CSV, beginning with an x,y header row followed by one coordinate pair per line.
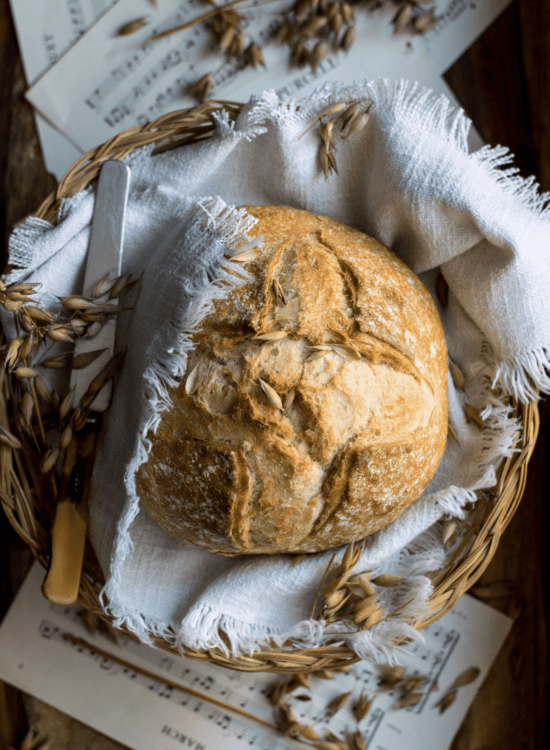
x,y
134,81
45,30
46,650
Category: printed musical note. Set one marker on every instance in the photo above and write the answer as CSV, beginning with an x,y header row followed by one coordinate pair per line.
x,y
48,630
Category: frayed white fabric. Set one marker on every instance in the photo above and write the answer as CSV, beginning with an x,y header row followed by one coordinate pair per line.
x,y
408,180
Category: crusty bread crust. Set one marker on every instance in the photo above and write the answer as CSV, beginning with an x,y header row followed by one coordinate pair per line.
x,y
232,473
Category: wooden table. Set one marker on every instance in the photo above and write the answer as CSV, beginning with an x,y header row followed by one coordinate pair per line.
x,y
503,82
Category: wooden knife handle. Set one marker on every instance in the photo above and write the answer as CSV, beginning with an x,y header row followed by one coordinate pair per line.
x,y
70,525
68,542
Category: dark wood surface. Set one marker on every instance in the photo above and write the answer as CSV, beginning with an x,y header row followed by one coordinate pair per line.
x,y
503,82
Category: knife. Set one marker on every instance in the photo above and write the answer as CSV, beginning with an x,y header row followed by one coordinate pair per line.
x,y
104,256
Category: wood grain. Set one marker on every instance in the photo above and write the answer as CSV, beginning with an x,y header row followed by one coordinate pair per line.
x,y
503,82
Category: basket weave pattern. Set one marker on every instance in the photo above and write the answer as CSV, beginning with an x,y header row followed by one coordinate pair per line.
x,y
32,517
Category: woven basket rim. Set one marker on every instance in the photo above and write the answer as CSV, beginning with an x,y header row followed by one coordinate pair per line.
x,y
480,531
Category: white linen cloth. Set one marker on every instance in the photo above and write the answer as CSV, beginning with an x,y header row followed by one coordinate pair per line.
x,y
406,179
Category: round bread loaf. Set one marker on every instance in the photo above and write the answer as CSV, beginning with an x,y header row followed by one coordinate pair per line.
x,y
318,411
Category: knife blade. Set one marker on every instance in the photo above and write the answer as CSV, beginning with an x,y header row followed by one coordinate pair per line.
x,y
104,257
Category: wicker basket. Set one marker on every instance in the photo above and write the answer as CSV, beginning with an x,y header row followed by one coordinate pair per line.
x,y
31,516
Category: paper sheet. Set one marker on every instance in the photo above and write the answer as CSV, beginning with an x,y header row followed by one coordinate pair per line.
x,y
46,651
45,30
151,82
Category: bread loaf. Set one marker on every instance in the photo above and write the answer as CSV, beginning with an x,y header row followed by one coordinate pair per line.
x,y
322,431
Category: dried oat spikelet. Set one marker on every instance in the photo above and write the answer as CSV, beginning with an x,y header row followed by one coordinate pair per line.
x,y
278,692
327,161
362,706
299,53
336,22
389,676
271,336
335,583
347,352
271,394
318,54
76,302
325,130
253,56
446,701
319,354
424,22
289,399
132,26
42,389
37,314
122,286
351,556
8,438
335,599
27,406
301,678
201,89
466,677
457,375
347,12
356,124
449,528
406,701
413,683
285,32
331,109
365,608
49,460
311,28
12,353
250,250
287,716
278,291
402,18
387,580
61,333
356,741
104,285
306,731
65,406
336,704
348,39
25,373
364,583
85,359
66,437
